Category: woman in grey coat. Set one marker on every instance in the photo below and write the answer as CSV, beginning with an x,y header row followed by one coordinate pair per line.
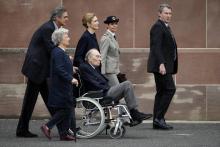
x,y
109,49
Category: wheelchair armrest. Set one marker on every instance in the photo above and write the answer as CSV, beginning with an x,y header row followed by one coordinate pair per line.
x,y
107,101
94,94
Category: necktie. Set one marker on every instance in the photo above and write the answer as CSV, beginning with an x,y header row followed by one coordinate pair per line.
x,y
168,27
115,37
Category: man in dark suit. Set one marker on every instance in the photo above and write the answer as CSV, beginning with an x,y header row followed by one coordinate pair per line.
x,y
162,63
36,68
94,81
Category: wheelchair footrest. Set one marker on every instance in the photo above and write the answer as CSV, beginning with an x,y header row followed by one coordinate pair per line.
x,y
132,123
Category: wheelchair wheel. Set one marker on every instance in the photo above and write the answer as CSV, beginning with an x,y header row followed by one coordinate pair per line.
x,y
117,134
90,117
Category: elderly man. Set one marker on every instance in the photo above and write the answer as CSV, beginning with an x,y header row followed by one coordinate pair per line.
x,y
94,80
36,68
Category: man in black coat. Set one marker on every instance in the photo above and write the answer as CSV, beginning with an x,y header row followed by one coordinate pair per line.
x,y
162,62
36,68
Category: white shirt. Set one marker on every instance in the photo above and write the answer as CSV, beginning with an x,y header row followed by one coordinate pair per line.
x,y
113,34
92,65
55,25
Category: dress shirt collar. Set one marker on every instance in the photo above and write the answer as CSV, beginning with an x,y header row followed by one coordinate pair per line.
x,y
55,25
62,48
92,65
113,34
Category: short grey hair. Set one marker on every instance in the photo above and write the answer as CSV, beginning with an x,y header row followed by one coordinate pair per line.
x,y
57,35
57,12
162,6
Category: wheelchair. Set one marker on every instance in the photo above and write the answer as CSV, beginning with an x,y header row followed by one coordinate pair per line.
x,y
95,113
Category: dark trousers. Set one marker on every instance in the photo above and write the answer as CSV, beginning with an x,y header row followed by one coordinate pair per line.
x,y
63,118
165,90
30,98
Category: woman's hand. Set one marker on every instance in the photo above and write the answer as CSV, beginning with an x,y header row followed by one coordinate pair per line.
x,y
75,69
75,81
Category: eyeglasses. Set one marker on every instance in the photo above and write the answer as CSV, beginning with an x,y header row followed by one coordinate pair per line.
x,y
98,56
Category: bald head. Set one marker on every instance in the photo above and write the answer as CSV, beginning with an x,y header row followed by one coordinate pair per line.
x,y
93,57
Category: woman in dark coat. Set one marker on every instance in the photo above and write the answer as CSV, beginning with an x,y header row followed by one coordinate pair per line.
x,y
60,93
88,39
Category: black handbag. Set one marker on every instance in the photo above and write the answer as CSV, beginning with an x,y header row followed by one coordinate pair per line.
x,y
121,77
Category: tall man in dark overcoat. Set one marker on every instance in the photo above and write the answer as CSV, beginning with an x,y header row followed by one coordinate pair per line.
x,y
36,68
162,62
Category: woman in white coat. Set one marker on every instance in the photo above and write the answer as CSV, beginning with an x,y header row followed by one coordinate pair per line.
x,y
109,49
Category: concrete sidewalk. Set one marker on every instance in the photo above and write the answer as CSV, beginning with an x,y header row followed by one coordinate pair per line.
x,y
183,135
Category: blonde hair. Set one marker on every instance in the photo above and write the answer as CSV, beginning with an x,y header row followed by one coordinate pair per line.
x,y
87,18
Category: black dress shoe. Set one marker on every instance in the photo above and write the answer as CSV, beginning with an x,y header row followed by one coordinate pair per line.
x,y
161,125
25,134
146,116
134,123
139,116
169,126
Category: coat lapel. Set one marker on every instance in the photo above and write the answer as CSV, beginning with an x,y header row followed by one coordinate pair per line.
x,y
167,31
97,73
113,40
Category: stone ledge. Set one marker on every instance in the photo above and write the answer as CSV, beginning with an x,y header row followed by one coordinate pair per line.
x,y
197,103
123,50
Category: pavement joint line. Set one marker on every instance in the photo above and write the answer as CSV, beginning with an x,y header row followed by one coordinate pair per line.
x,y
147,121
186,122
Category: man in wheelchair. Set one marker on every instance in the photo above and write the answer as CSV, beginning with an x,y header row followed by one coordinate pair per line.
x,y
93,80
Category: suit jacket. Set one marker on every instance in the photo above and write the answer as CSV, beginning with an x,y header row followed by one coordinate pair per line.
x,y
110,54
36,63
163,49
93,80
60,92
86,42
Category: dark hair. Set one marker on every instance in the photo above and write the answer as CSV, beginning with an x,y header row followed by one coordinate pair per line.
x,y
57,12
162,6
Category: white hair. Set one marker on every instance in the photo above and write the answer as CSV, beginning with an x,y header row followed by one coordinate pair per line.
x,y
89,54
57,35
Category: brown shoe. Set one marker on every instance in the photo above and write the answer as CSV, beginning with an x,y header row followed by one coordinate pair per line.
x,y
46,131
67,138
